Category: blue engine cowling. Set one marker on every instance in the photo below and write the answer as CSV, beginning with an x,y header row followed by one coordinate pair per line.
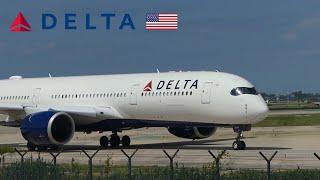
x,y
192,132
48,128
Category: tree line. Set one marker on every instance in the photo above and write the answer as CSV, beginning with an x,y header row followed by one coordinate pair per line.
x,y
293,96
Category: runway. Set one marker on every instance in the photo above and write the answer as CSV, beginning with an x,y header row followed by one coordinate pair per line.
x,y
182,145
295,146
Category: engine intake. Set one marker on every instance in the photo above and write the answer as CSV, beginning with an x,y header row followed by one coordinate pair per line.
x,y
192,132
48,128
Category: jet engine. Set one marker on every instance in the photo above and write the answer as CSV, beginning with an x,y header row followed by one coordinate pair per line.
x,y
192,132
48,128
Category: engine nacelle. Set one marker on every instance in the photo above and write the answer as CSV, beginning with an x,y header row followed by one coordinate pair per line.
x,y
192,132
48,128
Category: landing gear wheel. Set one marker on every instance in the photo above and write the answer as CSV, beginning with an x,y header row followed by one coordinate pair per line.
x,y
31,146
114,140
239,145
243,144
126,141
104,141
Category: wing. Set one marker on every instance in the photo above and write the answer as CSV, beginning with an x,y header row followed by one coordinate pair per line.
x,y
81,114
89,112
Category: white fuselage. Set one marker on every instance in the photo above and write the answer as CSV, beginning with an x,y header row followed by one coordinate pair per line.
x,y
203,97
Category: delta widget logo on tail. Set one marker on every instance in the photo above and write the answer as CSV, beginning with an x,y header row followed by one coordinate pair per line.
x,y
20,24
148,87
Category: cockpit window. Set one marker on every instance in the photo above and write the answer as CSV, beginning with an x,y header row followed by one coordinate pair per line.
x,y
243,90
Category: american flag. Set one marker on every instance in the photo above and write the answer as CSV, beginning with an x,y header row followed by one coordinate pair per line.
x,y
161,21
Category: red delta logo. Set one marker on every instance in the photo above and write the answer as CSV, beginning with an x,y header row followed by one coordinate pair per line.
x,y
20,24
148,87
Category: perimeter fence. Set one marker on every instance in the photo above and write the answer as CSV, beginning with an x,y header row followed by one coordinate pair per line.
x,y
22,164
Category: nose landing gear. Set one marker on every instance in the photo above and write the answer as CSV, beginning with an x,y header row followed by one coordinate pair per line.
x,y
238,144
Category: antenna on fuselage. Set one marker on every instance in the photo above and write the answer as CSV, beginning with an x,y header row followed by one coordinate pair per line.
x,y
158,71
50,75
217,70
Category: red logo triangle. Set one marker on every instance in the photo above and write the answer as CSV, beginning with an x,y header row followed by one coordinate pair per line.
x,y
148,87
20,24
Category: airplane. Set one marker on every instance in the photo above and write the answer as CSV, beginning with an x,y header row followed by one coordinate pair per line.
x,y
189,104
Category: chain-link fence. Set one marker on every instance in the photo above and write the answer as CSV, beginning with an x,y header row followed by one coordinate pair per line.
x,y
168,164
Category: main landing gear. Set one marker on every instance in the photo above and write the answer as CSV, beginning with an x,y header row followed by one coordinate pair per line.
x,y
238,144
115,141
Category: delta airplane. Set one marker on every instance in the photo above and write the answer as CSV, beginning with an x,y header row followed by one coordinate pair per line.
x,y
189,104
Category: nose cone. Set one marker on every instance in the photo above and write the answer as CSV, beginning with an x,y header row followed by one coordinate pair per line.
x,y
257,110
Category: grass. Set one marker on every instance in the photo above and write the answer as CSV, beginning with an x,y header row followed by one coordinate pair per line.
x,y
298,174
6,149
44,170
290,120
292,106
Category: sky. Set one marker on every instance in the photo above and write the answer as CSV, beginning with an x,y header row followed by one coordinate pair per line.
x,y
274,44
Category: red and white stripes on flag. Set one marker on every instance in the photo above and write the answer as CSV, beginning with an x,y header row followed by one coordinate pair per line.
x,y
161,21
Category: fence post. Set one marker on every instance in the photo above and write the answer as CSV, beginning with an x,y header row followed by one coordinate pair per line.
x,y
316,155
3,161
72,164
90,162
171,161
268,162
54,157
21,153
129,161
217,160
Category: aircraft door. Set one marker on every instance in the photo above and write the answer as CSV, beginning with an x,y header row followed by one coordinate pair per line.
x,y
36,97
206,93
134,94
